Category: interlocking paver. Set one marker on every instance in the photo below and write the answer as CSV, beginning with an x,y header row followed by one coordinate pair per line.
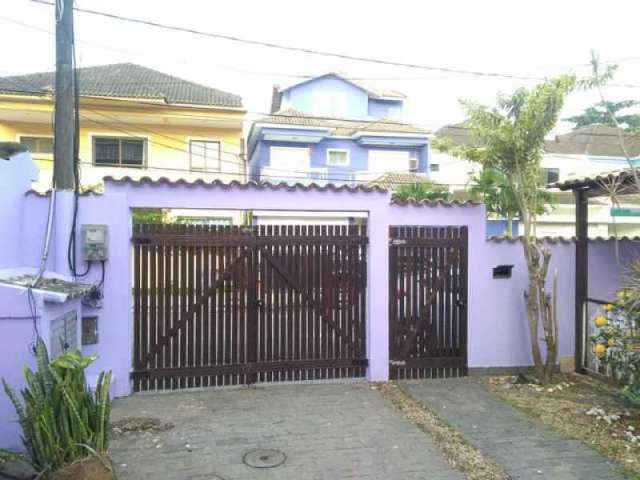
x,y
525,449
344,431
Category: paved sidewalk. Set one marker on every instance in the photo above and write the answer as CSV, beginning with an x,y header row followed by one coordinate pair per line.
x,y
526,450
340,431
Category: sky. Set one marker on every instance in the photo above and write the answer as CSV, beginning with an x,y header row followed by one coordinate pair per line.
x,y
532,38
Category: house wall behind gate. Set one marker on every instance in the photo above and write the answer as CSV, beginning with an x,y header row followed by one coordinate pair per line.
x,y
497,333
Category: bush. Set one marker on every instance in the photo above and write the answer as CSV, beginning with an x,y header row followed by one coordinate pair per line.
x,y
421,191
62,420
616,341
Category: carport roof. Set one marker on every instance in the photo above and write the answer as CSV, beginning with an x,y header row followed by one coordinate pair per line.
x,y
619,181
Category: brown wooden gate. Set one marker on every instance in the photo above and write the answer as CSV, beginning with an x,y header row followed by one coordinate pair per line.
x,y
220,305
427,302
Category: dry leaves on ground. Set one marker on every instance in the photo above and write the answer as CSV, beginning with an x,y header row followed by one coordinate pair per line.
x,y
582,408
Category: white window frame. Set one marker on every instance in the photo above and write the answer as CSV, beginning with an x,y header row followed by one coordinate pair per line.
x,y
339,150
206,168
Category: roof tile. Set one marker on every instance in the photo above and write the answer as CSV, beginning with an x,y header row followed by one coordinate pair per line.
x,y
126,80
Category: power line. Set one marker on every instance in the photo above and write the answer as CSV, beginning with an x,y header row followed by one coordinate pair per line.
x,y
289,74
304,50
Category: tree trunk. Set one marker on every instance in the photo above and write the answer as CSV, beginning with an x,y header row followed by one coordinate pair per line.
x,y
541,308
509,226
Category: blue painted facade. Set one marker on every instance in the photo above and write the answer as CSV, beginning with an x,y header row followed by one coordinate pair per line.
x,y
353,103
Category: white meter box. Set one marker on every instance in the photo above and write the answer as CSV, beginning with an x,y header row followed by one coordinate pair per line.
x,y
95,242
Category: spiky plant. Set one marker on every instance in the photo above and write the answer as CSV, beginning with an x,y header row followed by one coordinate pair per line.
x,y
61,419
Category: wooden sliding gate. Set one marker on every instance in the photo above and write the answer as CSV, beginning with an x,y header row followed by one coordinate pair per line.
x,y
219,305
427,302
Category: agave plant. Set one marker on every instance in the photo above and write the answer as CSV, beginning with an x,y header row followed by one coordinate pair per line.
x,y
61,419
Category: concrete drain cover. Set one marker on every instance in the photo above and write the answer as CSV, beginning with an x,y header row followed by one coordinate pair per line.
x,y
264,458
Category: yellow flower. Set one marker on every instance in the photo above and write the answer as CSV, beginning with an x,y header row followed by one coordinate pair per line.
x,y
600,349
609,308
612,342
601,321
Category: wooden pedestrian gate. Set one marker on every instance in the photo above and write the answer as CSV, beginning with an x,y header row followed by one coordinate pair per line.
x,y
427,302
221,305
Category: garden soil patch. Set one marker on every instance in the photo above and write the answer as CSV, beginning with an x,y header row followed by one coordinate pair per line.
x,y
584,409
93,468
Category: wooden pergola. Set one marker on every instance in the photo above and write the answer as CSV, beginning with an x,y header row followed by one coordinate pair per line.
x,y
620,182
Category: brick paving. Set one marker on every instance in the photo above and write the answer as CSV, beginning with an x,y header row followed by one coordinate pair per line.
x,y
341,431
526,450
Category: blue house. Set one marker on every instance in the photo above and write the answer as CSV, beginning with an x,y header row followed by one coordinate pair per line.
x,y
331,129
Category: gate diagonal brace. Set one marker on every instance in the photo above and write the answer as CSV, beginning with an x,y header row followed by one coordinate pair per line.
x,y
191,310
307,298
420,323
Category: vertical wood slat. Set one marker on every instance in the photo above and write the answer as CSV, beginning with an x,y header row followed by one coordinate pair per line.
x,y
144,336
153,304
137,316
162,310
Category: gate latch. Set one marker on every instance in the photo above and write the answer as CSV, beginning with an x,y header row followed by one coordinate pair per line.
x,y
397,363
398,241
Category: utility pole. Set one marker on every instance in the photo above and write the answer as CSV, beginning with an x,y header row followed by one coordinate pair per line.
x,y
63,155
64,182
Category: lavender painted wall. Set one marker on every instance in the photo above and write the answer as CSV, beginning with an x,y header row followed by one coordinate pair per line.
x,y
17,335
16,175
497,330
16,338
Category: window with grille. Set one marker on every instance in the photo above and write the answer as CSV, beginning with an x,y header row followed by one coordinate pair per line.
x,y
42,145
124,152
205,155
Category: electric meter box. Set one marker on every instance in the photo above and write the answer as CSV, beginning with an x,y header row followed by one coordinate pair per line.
x,y
95,242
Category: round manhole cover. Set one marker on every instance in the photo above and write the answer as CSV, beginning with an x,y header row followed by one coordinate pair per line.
x,y
264,458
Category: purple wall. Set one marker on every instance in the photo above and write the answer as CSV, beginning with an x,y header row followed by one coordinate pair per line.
x,y
16,175
17,336
498,336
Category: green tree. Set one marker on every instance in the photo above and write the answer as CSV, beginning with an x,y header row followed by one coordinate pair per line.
x,y
511,140
149,215
602,112
493,188
421,191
